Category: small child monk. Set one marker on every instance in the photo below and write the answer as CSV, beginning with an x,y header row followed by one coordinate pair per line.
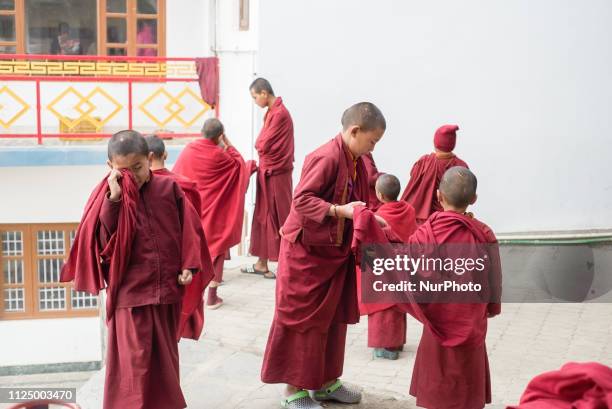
x,y
387,323
428,170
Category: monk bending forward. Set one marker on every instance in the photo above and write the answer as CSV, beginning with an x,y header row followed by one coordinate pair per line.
x,y
316,294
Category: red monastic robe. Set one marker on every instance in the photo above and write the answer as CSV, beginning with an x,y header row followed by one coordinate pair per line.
x,y
373,174
139,246
451,368
424,181
274,182
575,385
315,287
191,326
222,178
387,323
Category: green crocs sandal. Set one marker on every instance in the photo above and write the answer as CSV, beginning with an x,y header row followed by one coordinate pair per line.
x,y
300,400
385,353
339,392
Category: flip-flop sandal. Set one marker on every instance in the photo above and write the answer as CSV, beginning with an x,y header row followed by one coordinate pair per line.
x,y
338,392
252,270
269,275
300,400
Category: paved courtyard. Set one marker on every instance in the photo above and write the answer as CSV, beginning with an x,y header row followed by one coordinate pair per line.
x,y
221,371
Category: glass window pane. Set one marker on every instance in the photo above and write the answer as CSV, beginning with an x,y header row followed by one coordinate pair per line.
x,y
8,49
147,7
12,243
51,298
147,31
49,270
13,299
116,51
65,27
7,4
7,28
82,300
13,271
116,31
147,52
115,6
50,242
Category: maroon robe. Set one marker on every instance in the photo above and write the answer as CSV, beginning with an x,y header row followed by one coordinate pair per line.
x,y
274,182
147,239
315,288
424,181
373,174
451,368
191,326
575,385
222,178
387,323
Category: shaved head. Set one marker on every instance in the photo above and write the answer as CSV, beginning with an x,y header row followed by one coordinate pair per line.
x,y
212,129
261,84
365,115
389,186
126,142
458,185
156,146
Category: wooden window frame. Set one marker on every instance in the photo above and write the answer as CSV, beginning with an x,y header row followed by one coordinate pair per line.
x,y
18,12
30,274
130,15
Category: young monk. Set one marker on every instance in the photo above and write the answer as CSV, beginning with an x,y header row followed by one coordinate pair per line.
x,y
428,170
192,327
387,323
141,239
373,174
316,283
451,368
274,182
222,178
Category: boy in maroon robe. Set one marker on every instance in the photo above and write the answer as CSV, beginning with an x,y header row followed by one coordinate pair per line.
x,y
451,368
387,323
274,182
222,177
141,239
428,170
316,281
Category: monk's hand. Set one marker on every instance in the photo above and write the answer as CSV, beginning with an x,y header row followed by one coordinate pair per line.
x,y
185,277
381,222
347,210
113,184
226,141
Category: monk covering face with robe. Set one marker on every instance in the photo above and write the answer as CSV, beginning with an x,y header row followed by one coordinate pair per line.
x,y
274,182
316,281
387,323
141,240
428,170
222,178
